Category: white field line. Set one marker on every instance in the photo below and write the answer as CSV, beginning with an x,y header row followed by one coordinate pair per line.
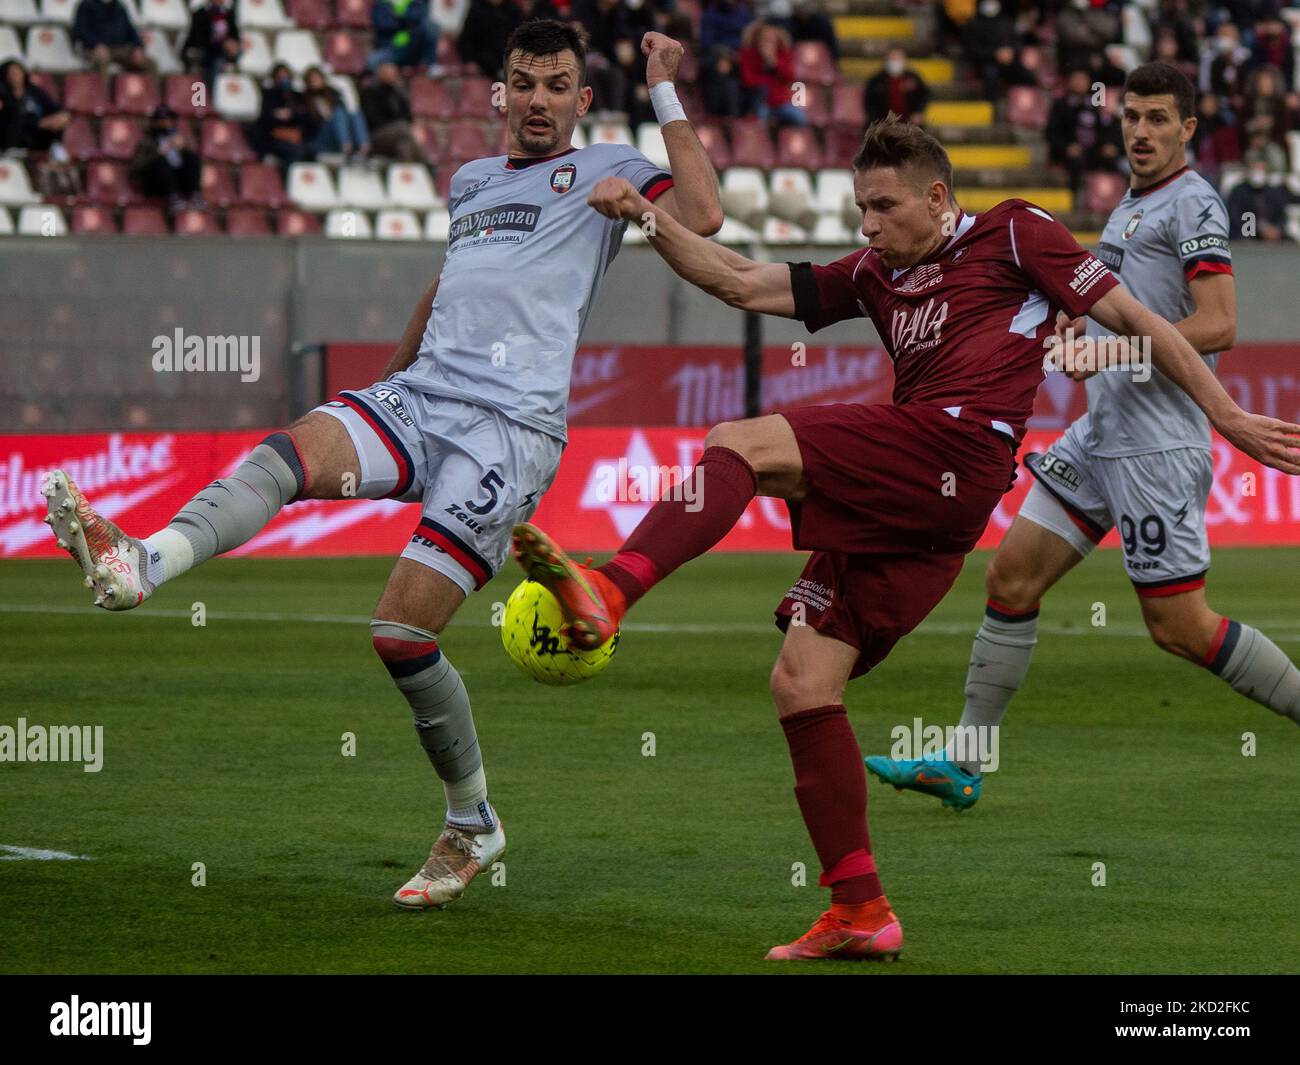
x,y
33,854
1275,628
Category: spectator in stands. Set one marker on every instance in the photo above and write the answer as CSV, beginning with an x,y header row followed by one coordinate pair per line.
x,y
213,40
1101,69
1175,20
806,23
607,24
1215,141
531,9
721,24
1264,98
992,48
164,165
1223,68
283,128
1082,136
336,129
29,117
1262,148
896,88
767,74
403,34
1273,48
720,81
387,110
103,30
482,40
1256,209
1081,30
1166,49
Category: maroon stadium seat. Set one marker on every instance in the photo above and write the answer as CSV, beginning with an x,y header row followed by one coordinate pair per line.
x,y
1102,191
216,184
431,137
193,223
817,106
223,141
118,136
311,14
448,57
797,146
48,82
475,98
290,223
354,14
260,186
750,144
89,219
247,222
468,141
842,144
715,144
847,106
86,94
178,94
442,178
344,52
146,221
106,183
79,138
135,94
432,98
813,64
1027,107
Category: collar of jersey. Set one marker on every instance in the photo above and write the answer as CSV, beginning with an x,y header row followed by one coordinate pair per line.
x,y
1137,194
963,227
520,164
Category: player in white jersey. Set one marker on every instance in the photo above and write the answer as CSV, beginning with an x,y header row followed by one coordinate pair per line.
x,y
469,420
1140,458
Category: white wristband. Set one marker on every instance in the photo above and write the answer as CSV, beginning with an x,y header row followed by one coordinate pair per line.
x,y
667,107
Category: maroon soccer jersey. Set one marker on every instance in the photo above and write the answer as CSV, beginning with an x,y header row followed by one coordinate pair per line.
x,y
966,328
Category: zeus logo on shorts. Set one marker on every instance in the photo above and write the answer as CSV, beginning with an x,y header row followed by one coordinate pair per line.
x,y
1059,471
393,402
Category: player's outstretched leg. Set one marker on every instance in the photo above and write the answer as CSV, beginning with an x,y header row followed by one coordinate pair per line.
x,y
739,460
831,788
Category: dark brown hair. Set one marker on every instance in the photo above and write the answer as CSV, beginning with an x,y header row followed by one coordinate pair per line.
x,y
904,146
548,36
1157,79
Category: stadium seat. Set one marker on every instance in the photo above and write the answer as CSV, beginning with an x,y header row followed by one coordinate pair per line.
x,y
835,194
144,221
431,137
732,232
11,46
216,185
158,48
353,14
107,184
311,14
1293,149
48,48
779,231
15,188
256,57
19,12
797,146
345,53
247,222
41,220
609,133
437,226
263,15
650,143
178,94
817,106
813,64
135,94
409,185
791,197
1103,190
88,220
830,229
474,99
291,223
237,97
193,223
311,187
448,15
60,12
260,186
468,140
848,107
347,90
298,49
397,225
442,179
841,145
751,146
48,82
171,15
6,223
744,195
348,225
79,139
715,144
223,141
86,94
432,98
1027,107
118,136
361,187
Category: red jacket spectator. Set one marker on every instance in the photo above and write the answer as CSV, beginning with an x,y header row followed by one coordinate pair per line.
x,y
767,65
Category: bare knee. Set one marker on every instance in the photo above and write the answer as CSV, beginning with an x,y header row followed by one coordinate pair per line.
x,y
795,688
1185,637
1011,584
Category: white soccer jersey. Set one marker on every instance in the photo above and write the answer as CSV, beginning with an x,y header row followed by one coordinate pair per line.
x,y
525,259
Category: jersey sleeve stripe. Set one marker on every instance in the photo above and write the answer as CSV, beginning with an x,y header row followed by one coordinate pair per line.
x,y
657,186
1212,264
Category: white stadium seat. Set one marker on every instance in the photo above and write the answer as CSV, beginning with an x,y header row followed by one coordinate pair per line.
x,y
650,143
6,223
41,221
437,226
830,229
834,191
19,12
448,15
779,231
237,96
311,187
256,59
744,194
791,196
298,48
348,225
158,48
49,49
733,232
15,188
59,11
359,186
11,45
263,14
397,225
409,185
609,133
165,14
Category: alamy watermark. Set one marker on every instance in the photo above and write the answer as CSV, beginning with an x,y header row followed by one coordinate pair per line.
x,y
1073,353
955,743
625,482
53,743
208,354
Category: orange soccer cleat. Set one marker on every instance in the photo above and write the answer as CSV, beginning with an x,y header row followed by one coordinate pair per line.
x,y
868,931
593,606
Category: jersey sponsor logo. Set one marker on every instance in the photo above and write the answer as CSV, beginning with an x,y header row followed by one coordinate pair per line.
x,y
1204,242
918,329
1133,224
958,256
392,402
922,277
563,177
1060,471
507,224
1087,274
1203,218
470,193
1112,256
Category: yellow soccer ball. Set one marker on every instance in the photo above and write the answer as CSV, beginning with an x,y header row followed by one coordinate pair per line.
x,y
530,632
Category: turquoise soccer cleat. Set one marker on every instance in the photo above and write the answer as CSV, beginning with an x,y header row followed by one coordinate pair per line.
x,y
936,777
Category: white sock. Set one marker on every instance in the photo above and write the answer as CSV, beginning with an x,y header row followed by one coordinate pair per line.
x,y
168,554
467,801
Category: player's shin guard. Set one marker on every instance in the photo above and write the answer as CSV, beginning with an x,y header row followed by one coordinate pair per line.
x,y
999,660
1255,666
229,511
443,720
831,788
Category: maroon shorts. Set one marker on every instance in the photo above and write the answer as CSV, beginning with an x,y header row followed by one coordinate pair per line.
x,y
896,497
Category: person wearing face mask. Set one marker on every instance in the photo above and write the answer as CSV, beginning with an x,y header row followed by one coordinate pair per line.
x,y
105,34
163,164
1223,68
896,88
1256,209
284,126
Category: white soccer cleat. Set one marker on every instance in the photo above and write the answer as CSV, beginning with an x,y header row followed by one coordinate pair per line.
x,y
457,858
112,561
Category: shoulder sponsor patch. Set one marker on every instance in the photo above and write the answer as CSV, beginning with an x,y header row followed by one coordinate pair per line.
x,y
1202,243
1087,274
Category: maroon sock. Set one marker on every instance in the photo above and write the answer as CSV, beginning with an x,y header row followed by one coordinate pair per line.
x,y
830,784
676,531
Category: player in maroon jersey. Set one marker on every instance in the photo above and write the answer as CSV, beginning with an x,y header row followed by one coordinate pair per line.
x,y
889,498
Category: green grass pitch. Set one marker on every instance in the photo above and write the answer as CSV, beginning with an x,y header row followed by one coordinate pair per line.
x,y
223,746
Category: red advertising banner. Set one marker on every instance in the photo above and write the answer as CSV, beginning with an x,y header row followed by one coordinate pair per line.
x,y
605,485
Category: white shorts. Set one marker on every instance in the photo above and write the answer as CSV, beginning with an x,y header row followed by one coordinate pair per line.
x,y
476,473
1157,500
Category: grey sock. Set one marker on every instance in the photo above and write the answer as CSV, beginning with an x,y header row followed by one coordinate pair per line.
x,y
999,660
232,510
1255,666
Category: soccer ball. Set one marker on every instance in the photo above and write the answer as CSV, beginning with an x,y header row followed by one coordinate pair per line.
x,y
530,632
